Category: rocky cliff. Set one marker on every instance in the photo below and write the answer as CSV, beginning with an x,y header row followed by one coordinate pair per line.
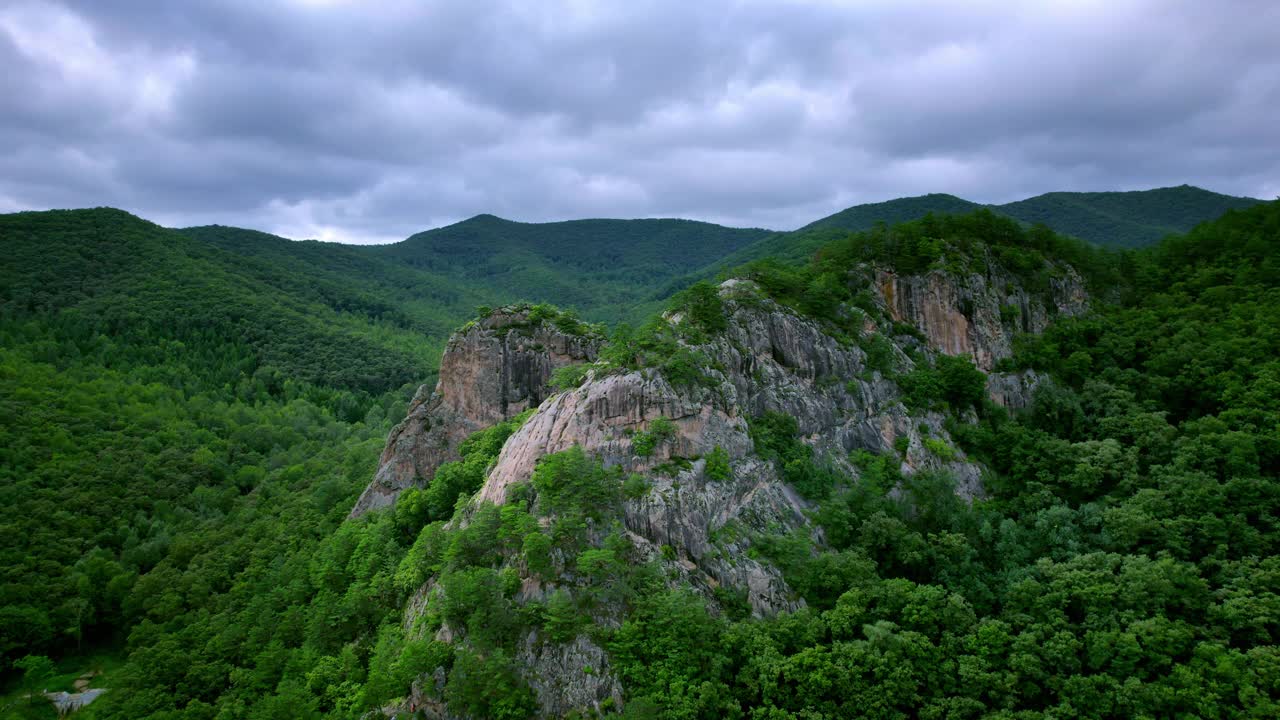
x,y
491,370
978,313
700,529
662,429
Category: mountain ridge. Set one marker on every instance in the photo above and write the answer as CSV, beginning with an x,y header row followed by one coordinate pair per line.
x,y
862,216
1152,213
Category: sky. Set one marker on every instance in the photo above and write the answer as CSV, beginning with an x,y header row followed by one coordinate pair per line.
x,y
367,122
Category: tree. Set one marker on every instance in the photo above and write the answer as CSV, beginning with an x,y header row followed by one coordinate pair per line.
x,y
718,468
37,671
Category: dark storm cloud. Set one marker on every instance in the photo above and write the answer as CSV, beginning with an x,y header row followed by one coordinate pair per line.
x,y
332,119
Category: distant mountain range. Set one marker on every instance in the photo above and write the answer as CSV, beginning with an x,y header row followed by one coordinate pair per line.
x,y
618,269
381,312
600,267
1125,219
1110,219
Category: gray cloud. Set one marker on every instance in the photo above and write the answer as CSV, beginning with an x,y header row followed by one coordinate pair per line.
x,y
324,118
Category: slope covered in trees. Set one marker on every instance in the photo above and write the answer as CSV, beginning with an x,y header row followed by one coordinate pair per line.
x,y
104,275
1125,219
1108,219
891,212
151,385
601,268
349,278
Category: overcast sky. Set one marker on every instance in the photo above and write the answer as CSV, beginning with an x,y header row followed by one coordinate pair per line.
x,y
333,120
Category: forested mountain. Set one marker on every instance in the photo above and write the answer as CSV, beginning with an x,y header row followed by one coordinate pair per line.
x,y
349,278
152,384
865,217
798,245
1109,219
612,270
951,467
601,268
1125,219
106,274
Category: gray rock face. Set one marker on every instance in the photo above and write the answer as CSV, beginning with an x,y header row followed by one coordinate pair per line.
x,y
1014,390
962,315
66,703
568,677
491,371
701,528
770,360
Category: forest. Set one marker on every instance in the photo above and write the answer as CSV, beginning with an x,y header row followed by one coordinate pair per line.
x,y
186,418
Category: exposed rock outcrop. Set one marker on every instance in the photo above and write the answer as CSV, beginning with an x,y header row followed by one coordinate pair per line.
x,y
979,313
66,703
568,677
700,526
491,370
1014,390
769,359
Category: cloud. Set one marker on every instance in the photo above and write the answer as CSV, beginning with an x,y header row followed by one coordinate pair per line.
x,y
332,119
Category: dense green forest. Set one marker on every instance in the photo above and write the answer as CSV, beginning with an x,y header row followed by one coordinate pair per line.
x,y
623,270
1125,219
185,419
104,277
601,268
166,407
892,212
1109,219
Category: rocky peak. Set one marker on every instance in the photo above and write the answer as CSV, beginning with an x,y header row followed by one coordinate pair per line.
x,y
641,412
700,526
492,369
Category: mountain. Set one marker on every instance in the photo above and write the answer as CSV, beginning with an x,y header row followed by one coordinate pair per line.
x,y
601,268
162,398
1125,219
922,472
113,274
864,217
798,245
1108,219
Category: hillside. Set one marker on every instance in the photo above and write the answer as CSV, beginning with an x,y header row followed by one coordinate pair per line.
x,y
161,398
104,272
1125,219
798,245
601,268
1108,219
891,212
350,279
